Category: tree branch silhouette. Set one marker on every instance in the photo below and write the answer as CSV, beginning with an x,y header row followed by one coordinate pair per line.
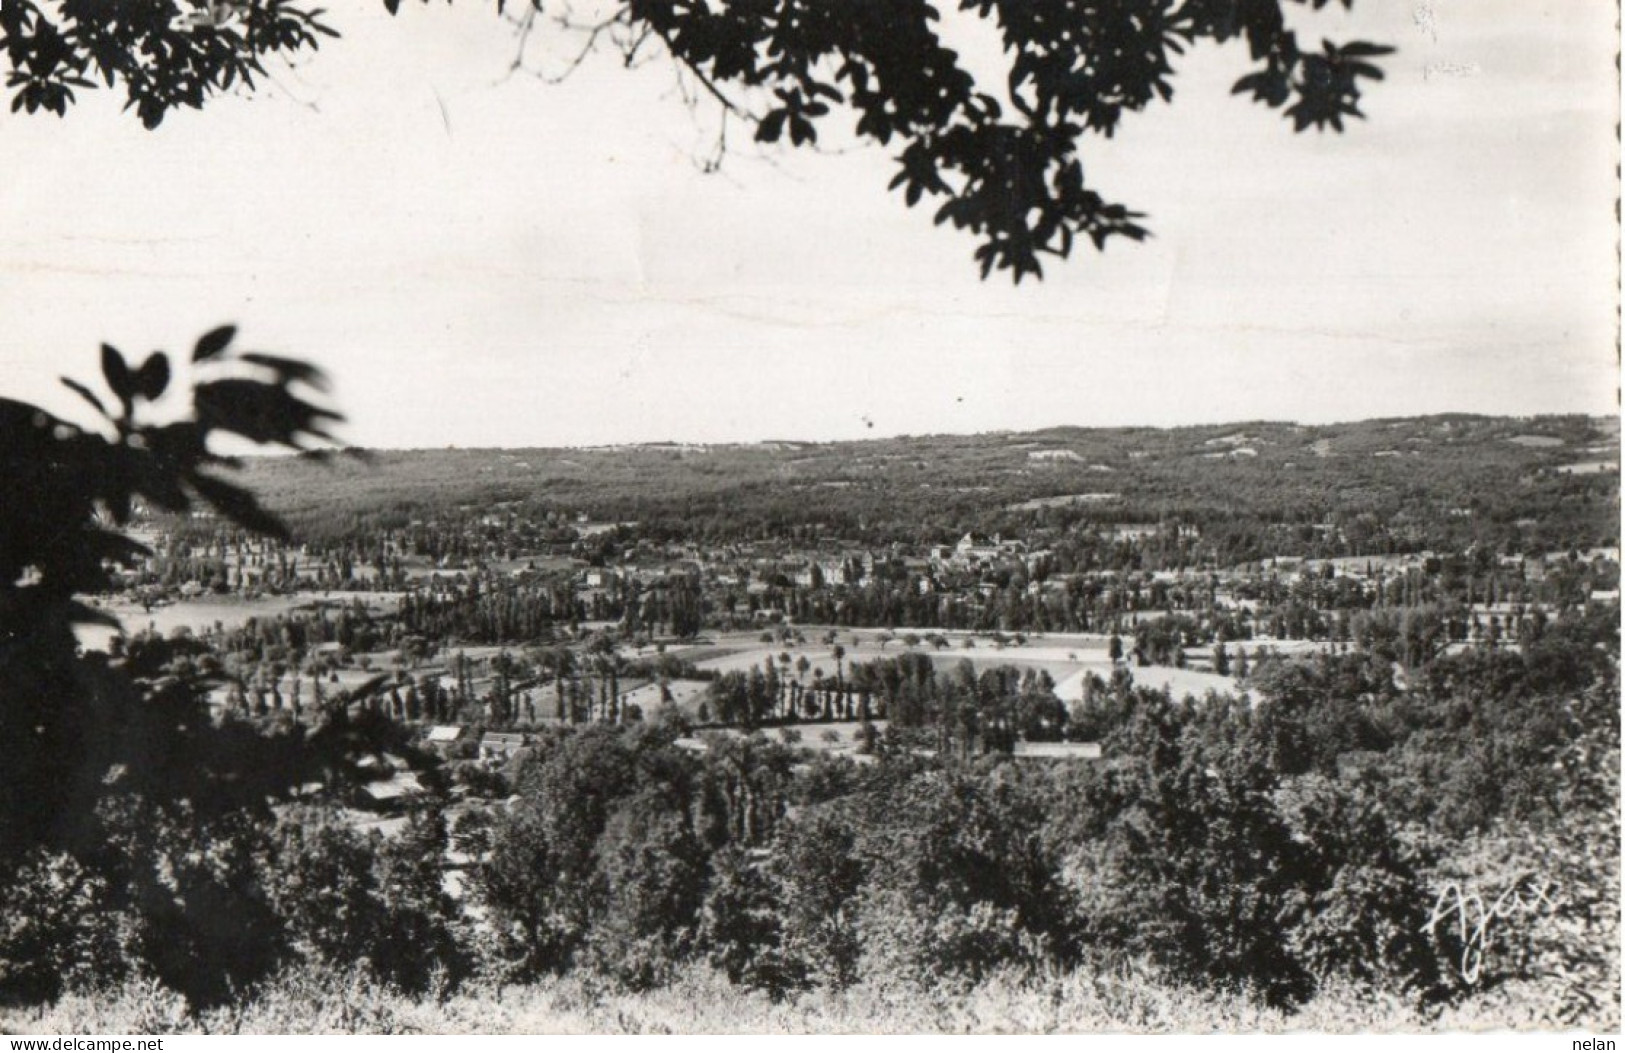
x,y
1015,182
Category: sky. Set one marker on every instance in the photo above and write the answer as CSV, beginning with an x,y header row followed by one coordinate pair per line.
x,y
481,258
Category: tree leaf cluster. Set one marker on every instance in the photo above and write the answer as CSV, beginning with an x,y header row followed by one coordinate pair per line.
x,y
1009,173
164,55
72,491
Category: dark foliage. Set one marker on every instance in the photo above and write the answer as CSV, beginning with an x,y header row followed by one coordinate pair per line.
x,y
118,786
1014,179
200,916
72,718
164,55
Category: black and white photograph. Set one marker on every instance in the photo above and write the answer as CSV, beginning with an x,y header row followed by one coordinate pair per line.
x,y
809,517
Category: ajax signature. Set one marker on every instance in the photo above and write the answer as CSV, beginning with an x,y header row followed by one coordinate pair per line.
x,y
1474,915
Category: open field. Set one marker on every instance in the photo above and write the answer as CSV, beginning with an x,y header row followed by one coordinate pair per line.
x,y
841,736
231,612
1068,658
685,695
1177,682
1063,501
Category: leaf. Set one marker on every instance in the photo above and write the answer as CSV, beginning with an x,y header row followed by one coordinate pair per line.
x,y
86,394
1365,49
263,413
238,505
772,126
117,374
289,369
213,342
82,614
112,546
153,376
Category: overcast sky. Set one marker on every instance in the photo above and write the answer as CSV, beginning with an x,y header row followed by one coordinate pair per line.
x,y
481,259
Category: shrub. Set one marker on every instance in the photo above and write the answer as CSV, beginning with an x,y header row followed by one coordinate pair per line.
x,y
960,880
348,900
650,875
532,910
60,928
201,920
816,872
1181,856
1556,935
319,879
951,941
420,938
739,929
1362,912
573,843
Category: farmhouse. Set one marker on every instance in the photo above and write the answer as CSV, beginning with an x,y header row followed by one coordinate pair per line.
x,y
500,745
391,794
443,737
975,548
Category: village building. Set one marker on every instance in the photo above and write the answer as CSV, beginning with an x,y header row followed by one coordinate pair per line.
x,y
391,794
502,745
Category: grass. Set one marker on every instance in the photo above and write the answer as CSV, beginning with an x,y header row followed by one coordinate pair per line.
x,y
700,1001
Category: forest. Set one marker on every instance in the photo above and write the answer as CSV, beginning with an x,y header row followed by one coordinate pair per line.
x,y
1250,490
1290,845
1396,805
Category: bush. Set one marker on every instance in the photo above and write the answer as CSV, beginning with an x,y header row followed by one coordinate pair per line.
x,y
201,920
739,929
650,880
421,940
903,942
348,900
319,878
960,880
816,872
547,877
1362,913
532,911
1179,854
1557,935
60,928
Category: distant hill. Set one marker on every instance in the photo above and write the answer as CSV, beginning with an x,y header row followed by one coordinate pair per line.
x,y
1556,474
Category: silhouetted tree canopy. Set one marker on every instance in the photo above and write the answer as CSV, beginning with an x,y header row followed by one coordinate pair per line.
x,y
1008,171
66,715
